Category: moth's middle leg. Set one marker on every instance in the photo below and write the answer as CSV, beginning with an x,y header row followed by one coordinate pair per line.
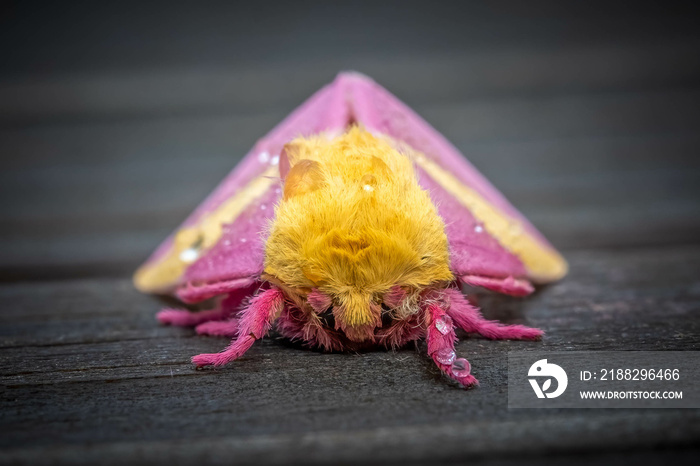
x,y
468,318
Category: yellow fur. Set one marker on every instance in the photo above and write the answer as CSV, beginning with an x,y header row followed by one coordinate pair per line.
x,y
353,223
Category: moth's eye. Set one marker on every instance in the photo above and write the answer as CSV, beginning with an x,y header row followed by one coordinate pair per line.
x,y
387,317
304,177
327,318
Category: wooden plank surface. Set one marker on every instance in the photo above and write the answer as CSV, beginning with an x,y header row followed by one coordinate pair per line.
x,y
96,355
115,121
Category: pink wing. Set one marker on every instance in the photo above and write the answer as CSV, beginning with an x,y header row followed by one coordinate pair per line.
x,y
237,212
221,245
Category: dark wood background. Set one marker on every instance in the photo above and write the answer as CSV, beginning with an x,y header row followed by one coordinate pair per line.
x,y
116,120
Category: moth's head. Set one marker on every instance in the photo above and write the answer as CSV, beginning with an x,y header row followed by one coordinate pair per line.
x,y
354,227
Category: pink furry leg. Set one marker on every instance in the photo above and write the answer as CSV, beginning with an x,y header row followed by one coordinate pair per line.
x,y
441,347
468,318
185,318
220,328
254,323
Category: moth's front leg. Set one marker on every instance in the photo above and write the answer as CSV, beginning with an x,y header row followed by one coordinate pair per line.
x,y
253,323
441,346
184,318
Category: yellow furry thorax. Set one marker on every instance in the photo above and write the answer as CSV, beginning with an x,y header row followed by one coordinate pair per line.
x,y
354,224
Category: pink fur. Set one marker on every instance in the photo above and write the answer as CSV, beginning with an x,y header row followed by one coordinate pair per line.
x,y
299,326
319,301
509,285
308,326
400,332
227,307
395,297
469,319
185,318
254,323
193,294
438,342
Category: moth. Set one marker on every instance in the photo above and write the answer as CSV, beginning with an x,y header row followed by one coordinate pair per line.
x,y
352,224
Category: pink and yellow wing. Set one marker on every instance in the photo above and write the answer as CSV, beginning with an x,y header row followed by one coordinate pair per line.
x,y
220,247
491,244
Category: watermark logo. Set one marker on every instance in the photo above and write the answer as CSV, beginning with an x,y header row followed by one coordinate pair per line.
x,y
542,368
603,379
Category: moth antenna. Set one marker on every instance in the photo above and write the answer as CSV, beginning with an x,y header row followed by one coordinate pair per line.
x,y
469,319
441,346
254,322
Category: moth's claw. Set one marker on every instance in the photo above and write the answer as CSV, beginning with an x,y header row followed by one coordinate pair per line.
x,y
468,382
171,316
202,360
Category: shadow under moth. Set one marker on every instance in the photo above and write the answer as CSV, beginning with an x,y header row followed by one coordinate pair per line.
x,y
352,224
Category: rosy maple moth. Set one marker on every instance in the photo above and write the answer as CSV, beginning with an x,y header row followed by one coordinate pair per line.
x,y
352,224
